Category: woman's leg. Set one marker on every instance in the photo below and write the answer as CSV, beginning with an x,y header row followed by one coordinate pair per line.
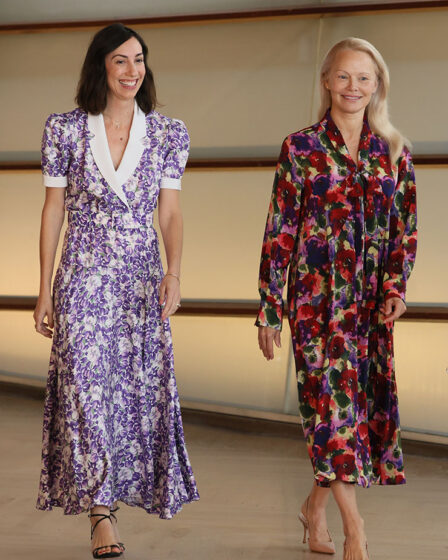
x,y
315,512
104,534
355,538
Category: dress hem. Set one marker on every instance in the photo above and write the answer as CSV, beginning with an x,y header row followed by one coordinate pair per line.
x,y
325,481
49,505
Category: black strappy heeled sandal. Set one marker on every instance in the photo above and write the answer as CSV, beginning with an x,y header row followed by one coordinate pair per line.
x,y
112,511
95,552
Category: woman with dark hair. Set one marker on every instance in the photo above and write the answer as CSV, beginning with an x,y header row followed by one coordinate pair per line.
x,y
343,218
112,423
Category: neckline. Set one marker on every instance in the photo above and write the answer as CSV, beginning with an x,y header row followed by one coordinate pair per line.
x,y
338,142
104,134
133,152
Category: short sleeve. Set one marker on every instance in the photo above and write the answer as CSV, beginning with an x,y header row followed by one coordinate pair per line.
x,y
55,152
176,156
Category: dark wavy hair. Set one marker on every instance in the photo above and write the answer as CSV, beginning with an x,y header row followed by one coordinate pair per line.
x,y
91,94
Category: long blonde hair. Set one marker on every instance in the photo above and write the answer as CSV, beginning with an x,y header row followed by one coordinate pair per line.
x,y
377,110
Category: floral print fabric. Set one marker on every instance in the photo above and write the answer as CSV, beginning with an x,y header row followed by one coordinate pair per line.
x,y
112,423
348,233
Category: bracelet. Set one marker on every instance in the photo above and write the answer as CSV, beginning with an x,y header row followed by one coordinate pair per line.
x,y
172,274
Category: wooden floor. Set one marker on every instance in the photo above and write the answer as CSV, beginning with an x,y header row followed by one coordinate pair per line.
x,y
251,487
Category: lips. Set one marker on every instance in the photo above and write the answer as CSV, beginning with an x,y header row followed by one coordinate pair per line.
x,y
352,97
128,83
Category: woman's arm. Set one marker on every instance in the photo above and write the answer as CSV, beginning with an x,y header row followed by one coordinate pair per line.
x,y
52,220
171,226
278,243
402,244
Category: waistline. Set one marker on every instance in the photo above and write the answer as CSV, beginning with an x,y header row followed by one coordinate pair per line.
x,y
112,220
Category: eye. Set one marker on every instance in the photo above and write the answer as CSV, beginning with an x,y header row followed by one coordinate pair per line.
x,y
364,79
342,76
139,61
119,61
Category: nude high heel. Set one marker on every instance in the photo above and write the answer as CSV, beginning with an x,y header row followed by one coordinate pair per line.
x,y
324,547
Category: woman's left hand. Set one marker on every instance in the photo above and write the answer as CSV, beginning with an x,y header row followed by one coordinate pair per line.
x,y
169,295
392,309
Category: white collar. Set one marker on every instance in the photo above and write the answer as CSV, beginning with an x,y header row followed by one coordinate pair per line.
x,y
132,154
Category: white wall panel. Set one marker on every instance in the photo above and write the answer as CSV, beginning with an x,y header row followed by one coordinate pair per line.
x,y
22,350
428,282
218,360
224,213
421,359
234,84
21,200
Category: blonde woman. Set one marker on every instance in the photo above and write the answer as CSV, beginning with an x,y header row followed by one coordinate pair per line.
x,y
343,218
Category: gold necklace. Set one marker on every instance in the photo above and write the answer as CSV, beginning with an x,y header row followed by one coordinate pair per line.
x,y
116,124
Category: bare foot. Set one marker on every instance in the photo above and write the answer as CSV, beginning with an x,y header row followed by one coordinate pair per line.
x,y
104,533
116,533
355,545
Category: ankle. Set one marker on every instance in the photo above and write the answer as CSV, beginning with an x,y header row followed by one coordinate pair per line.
x,y
316,508
100,509
316,515
96,512
354,527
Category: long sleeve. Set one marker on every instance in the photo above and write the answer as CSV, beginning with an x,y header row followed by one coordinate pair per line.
x,y
402,245
279,239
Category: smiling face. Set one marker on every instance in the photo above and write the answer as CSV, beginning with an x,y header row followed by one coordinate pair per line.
x,y
125,68
351,81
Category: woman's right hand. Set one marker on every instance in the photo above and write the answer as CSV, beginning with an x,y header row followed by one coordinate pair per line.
x,y
266,337
44,308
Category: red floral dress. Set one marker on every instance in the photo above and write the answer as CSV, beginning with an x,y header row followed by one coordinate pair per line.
x,y
348,234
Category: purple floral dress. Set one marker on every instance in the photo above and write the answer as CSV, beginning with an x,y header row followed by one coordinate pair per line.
x,y
112,422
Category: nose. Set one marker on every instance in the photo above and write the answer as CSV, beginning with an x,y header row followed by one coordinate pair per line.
x,y
132,69
352,84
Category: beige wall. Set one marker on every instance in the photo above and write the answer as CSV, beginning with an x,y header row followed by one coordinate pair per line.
x,y
415,47
224,213
233,84
217,361
236,85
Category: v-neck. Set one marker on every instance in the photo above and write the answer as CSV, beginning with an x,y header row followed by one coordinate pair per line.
x,y
103,126
99,145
